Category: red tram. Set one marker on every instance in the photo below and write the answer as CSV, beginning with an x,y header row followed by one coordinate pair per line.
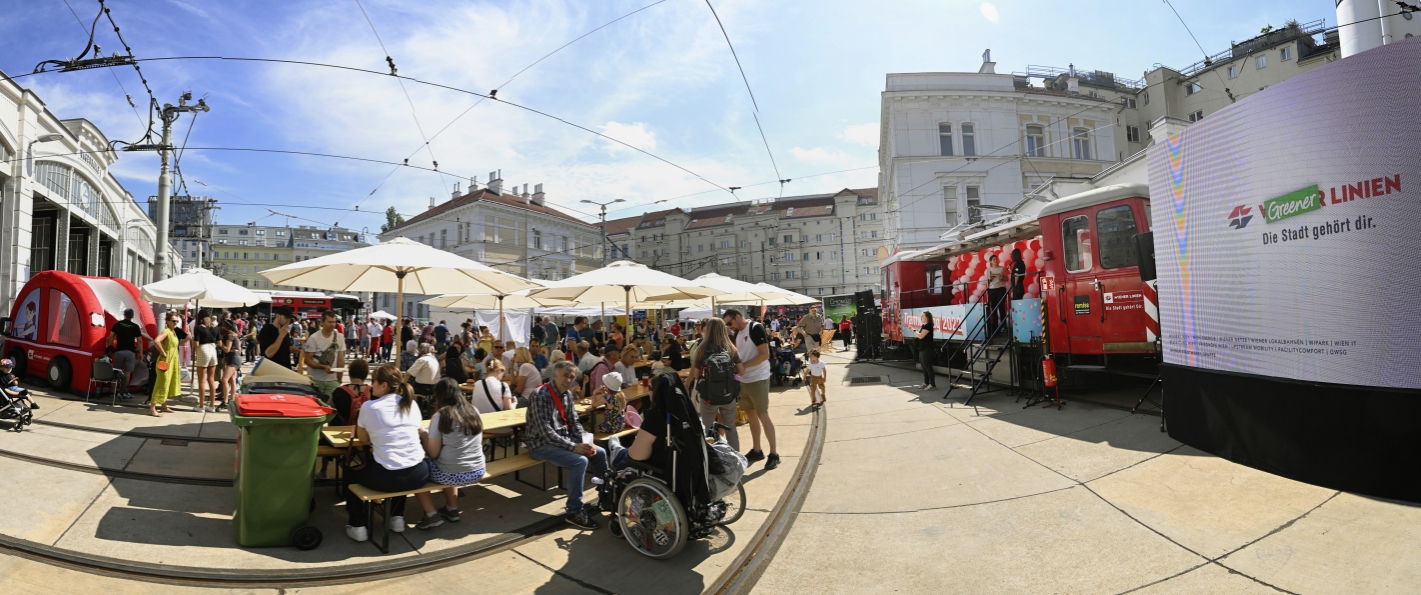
x,y
1082,274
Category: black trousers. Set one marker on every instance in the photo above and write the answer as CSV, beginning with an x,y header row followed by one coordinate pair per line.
x,y
996,309
377,477
927,355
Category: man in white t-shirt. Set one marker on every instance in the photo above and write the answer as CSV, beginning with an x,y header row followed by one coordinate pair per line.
x,y
323,351
373,331
753,345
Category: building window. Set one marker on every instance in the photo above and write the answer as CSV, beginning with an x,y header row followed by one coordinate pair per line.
x,y
241,232
222,232
833,255
944,139
831,237
1130,103
1192,88
1260,62
643,253
949,205
241,242
1035,141
1196,116
1132,134
743,243
700,248
969,140
564,244
1147,97
873,234
744,260
1287,53
789,239
819,274
818,237
789,256
725,243
805,255
443,238
974,200
538,239
863,252
1233,72
818,256
789,274
873,216
1080,143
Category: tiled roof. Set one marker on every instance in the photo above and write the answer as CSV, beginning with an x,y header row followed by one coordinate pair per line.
x,y
623,225
509,199
715,216
655,218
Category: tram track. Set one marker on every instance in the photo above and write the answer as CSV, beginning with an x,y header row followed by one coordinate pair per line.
x,y
738,577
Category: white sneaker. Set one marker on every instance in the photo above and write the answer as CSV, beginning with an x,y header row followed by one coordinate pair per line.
x,y
397,524
357,533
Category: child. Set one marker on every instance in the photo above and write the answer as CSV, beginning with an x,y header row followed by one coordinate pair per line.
x,y
815,372
10,390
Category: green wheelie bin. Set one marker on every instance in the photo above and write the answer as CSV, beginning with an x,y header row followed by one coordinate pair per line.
x,y
277,437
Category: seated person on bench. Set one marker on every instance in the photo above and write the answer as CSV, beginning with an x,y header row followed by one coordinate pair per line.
x,y
389,423
454,444
554,434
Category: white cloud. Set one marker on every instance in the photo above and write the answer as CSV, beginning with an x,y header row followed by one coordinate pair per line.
x,y
818,155
990,12
863,134
634,134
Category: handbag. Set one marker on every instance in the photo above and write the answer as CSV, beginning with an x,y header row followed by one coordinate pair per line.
x,y
163,366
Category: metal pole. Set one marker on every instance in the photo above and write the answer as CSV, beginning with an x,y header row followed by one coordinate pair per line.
x,y
160,256
604,235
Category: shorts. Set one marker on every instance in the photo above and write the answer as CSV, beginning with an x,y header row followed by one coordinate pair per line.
x,y
125,361
755,396
455,480
350,343
206,355
365,343
325,386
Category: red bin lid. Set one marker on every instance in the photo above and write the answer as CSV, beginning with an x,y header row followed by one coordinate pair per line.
x,y
280,406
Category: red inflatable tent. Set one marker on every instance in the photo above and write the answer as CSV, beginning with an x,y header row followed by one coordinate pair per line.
x,y
58,326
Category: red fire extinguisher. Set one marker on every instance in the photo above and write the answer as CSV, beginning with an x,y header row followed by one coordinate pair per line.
x,y
1048,370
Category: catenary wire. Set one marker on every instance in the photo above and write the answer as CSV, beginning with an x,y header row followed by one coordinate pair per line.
x,y
756,113
505,84
126,95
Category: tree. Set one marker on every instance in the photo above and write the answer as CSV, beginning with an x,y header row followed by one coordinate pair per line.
x,y
393,219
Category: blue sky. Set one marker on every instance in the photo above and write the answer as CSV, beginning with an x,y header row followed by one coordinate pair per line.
x,y
662,79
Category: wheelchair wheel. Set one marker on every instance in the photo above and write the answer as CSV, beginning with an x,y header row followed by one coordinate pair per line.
x,y
652,519
734,506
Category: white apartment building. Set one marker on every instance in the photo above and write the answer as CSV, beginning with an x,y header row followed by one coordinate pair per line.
x,y
60,207
505,228
820,244
955,147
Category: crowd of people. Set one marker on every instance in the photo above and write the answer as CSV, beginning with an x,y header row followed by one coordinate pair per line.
x,y
386,378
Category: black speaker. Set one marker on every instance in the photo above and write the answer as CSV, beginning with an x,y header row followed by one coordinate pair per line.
x,y
863,300
1145,255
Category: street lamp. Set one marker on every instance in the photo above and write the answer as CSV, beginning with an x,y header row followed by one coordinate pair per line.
x,y
604,223
30,152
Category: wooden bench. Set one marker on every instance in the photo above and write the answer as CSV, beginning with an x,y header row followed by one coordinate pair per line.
x,y
503,466
600,437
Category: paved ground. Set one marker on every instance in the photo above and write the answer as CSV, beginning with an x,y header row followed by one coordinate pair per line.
x,y
914,496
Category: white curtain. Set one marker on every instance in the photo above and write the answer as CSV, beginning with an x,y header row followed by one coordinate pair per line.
x,y
517,324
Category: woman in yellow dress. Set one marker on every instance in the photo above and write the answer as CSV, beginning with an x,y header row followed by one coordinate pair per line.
x,y
166,383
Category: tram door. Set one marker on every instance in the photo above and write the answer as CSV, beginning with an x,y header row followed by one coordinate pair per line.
x,y
1101,298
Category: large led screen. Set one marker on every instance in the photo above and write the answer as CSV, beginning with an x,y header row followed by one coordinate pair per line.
x,y
1288,227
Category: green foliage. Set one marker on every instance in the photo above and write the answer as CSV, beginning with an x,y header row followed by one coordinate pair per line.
x,y
393,219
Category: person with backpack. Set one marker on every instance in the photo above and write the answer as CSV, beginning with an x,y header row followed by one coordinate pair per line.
x,y
347,398
715,376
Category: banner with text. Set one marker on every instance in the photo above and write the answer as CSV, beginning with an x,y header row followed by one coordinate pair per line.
x,y
950,323
1286,227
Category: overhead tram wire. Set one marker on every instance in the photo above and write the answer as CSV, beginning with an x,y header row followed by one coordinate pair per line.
x,y
88,30
756,104
431,84
505,84
1207,60
414,114
805,177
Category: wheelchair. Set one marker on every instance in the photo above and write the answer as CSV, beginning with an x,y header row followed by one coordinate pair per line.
x,y
659,510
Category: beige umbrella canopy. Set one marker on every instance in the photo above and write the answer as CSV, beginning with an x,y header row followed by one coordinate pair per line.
x,y
402,264
201,287
737,291
484,301
624,282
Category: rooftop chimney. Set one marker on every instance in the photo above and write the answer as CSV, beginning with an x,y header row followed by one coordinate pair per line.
x,y
495,181
538,195
431,202
456,191
988,66
1073,86
526,198
473,184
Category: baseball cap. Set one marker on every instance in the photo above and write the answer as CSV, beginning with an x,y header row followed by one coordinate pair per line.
x,y
284,311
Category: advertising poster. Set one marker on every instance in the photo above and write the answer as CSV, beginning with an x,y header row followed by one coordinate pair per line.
x,y
950,323
839,306
26,324
1286,228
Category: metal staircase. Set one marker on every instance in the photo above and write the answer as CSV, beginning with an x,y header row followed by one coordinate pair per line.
x,y
980,353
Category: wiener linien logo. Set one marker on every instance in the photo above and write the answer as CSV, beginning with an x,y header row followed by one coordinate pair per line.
x,y
1292,204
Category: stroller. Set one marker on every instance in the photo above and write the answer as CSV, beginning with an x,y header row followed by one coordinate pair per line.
x,y
16,408
786,367
657,510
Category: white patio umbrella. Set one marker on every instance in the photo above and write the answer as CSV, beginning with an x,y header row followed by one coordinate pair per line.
x,y
402,263
626,282
737,290
200,287
382,315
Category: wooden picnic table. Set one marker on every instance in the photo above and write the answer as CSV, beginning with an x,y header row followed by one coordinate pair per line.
x,y
341,436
